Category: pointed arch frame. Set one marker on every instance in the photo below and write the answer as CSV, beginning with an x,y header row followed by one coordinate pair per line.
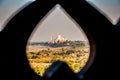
x,y
20,27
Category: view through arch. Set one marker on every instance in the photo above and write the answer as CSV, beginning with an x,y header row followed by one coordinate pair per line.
x,y
57,37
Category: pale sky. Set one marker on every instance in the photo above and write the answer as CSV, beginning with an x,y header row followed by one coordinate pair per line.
x,y
10,7
110,8
57,22
60,23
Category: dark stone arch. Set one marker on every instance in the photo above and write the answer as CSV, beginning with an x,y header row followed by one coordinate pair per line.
x,y
17,31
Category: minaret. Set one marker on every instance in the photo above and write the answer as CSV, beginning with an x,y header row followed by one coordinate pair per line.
x,y
51,38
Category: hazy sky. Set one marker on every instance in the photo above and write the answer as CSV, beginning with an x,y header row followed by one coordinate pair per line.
x,y
57,22
9,7
111,8
60,23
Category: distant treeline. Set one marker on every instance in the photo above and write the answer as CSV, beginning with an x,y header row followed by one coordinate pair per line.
x,y
67,43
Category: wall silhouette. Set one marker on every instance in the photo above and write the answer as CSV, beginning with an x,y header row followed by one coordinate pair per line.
x,y
103,36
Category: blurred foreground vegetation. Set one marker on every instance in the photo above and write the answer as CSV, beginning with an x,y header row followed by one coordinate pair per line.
x,y
41,58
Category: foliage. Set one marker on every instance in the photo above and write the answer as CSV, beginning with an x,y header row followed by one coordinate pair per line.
x,y
40,59
72,44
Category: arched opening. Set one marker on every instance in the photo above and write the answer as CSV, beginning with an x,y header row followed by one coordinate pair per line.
x,y
57,37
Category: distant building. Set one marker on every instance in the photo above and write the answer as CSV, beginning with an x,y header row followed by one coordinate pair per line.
x,y
58,39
